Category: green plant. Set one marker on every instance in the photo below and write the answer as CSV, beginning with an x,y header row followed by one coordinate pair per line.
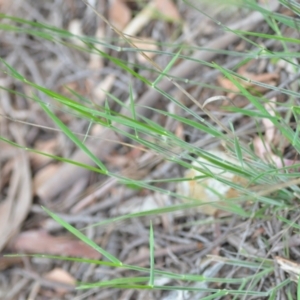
x,y
275,185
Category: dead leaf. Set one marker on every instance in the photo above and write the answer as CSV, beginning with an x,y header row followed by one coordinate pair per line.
x,y
7,151
168,9
263,146
119,14
50,146
227,84
6,262
268,124
208,190
43,175
5,6
289,266
61,276
180,131
147,45
267,78
37,241
263,150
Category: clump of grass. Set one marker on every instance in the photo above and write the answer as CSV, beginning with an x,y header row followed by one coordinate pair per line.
x,y
276,188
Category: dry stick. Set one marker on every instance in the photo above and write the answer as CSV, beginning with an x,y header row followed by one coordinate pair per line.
x,y
68,174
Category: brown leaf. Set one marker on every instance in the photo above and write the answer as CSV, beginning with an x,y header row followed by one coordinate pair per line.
x,y
60,275
267,78
119,14
168,9
5,6
268,124
289,266
263,146
227,84
145,44
263,150
50,146
43,175
6,262
37,241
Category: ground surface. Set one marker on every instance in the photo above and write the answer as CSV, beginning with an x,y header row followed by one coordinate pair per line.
x,y
28,180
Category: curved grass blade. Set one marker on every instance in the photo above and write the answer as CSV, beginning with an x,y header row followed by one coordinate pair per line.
x,y
73,137
82,237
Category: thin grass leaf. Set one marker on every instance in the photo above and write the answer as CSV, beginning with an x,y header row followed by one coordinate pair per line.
x,y
298,288
73,138
67,258
123,66
164,73
151,247
291,224
152,212
241,288
285,129
237,147
114,283
13,72
244,91
295,114
132,106
82,237
208,290
269,36
193,124
111,264
79,96
215,295
280,286
247,112
107,111
54,157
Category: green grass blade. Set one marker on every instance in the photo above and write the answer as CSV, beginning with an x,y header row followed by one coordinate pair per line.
x,y
67,258
132,106
54,157
129,282
298,288
269,36
167,69
151,247
107,111
73,137
82,237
